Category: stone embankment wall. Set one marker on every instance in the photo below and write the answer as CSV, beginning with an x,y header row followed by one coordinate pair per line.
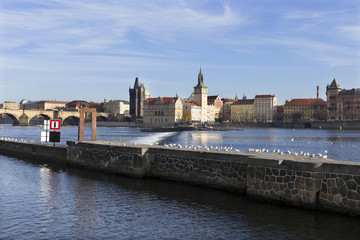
x,y
281,179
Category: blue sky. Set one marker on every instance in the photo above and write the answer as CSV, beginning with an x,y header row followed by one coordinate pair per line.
x,y
94,49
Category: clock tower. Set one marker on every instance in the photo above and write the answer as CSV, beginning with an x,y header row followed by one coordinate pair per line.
x,y
200,96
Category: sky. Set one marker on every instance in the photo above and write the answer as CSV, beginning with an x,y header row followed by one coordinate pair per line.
x,y
93,49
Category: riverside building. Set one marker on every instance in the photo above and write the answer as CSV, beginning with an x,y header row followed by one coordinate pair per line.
x,y
160,112
308,109
226,109
191,111
118,107
215,104
242,110
342,104
264,107
10,105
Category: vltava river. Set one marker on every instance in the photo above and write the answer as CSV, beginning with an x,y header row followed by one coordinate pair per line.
x,y
40,200
341,145
49,201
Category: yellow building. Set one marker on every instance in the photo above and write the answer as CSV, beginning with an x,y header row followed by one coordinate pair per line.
x,y
242,110
308,109
161,112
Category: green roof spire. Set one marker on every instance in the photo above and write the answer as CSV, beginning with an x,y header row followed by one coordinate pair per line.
x,y
200,80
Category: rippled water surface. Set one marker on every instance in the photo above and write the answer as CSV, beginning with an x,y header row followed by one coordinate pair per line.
x,y
48,201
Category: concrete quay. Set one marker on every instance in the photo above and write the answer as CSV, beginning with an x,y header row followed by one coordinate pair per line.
x,y
311,183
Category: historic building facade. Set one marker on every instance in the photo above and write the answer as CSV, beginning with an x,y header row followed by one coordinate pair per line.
x,y
226,109
264,107
342,104
10,105
242,110
308,109
332,91
191,111
349,104
118,107
159,112
215,104
43,105
138,95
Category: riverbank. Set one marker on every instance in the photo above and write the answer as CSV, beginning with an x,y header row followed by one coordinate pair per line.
x,y
312,183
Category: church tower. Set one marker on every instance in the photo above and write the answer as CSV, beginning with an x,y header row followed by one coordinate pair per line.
x,y
200,96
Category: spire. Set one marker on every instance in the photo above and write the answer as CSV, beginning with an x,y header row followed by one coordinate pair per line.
x,y
334,84
200,80
136,84
236,97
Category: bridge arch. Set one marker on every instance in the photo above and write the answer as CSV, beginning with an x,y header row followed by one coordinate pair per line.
x,y
47,115
100,118
70,120
13,118
39,116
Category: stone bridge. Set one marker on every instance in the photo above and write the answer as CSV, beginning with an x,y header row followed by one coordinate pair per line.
x,y
23,117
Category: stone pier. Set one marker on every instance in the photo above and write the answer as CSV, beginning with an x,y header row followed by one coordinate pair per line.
x,y
312,183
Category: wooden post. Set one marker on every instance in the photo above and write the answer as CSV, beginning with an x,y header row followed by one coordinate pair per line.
x,y
81,123
93,125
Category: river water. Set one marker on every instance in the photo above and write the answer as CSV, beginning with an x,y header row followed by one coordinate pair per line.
x,y
41,200
341,145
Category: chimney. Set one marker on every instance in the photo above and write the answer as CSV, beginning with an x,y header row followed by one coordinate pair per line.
x,y
317,93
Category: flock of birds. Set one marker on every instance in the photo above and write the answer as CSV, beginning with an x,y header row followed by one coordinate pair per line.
x,y
264,150
12,139
216,148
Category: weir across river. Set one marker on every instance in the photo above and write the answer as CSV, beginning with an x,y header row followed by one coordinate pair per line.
x,y
282,179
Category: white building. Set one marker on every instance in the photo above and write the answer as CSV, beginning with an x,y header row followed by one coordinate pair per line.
x,y
264,107
191,111
120,107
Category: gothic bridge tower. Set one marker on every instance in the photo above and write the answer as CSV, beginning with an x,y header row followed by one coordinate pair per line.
x,y
138,95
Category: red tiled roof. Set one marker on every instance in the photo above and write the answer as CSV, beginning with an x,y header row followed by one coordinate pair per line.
x,y
228,100
265,96
165,100
280,109
244,101
305,102
212,97
190,103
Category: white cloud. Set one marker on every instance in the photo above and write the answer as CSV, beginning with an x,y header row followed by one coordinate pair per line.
x,y
351,32
83,26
